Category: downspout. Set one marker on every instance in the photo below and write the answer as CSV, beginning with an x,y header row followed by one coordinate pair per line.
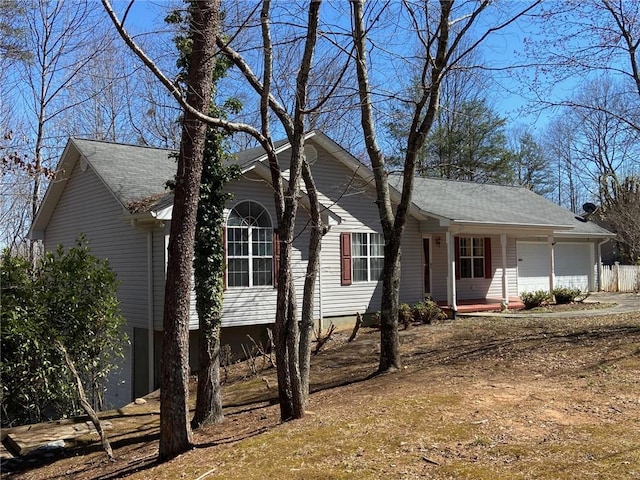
x,y
150,322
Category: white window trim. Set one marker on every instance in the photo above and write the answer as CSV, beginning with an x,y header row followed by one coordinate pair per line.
x,y
368,256
472,257
250,256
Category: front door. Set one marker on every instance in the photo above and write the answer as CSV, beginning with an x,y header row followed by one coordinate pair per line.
x,y
426,266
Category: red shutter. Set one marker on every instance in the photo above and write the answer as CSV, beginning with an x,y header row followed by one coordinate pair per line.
x,y
345,258
456,249
224,258
488,271
276,257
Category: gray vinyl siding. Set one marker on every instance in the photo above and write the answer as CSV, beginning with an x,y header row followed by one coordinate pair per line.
x,y
439,267
242,306
411,266
160,243
245,306
353,201
86,206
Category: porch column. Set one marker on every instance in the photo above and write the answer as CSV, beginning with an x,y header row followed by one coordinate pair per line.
x,y
451,273
552,270
505,282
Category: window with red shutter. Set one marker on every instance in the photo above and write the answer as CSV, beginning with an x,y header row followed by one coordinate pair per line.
x,y
473,257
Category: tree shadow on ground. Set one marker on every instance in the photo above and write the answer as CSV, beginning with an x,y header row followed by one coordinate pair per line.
x,y
346,363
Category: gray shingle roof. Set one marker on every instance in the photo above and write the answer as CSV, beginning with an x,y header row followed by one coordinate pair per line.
x,y
491,204
135,173
246,157
132,172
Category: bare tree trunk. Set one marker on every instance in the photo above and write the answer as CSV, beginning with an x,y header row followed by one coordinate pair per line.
x,y
55,31
443,49
280,334
422,120
389,351
389,342
293,352
175,429
85,403
286,332
315,245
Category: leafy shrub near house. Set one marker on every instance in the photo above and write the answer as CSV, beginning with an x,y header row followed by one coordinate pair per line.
x,y
427,312
421,312
69,297
535,299
405,314
566,295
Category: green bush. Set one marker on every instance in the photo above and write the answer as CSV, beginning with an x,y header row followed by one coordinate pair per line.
x,y
69,297
566,295
535,299
427,312
405,314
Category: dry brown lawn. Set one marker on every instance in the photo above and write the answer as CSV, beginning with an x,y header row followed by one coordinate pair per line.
x,y
477,398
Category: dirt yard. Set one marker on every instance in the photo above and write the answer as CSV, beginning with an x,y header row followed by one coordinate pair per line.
x,y
477,398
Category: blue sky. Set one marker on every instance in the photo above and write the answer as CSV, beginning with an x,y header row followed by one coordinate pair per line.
x,y
500,50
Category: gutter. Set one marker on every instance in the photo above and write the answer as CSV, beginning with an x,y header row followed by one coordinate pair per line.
x,y
523,226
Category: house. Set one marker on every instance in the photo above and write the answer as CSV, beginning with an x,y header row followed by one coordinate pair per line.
x,y
462,241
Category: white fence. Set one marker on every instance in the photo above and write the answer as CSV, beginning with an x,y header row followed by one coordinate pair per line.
x,y
620,278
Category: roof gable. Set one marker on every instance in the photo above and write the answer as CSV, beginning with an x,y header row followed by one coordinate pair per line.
x,y
133,173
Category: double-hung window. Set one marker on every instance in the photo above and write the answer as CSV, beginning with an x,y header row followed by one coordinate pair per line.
x,y
249,246
472,257
367,256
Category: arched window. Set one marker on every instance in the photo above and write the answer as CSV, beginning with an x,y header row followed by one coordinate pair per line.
x,y
249,246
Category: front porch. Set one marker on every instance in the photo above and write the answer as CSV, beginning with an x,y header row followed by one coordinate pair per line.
x,y
482,305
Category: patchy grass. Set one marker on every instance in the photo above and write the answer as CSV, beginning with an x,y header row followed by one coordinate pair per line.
x,y
477,398
567,307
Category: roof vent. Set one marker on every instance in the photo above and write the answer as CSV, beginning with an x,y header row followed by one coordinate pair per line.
x,y
589,207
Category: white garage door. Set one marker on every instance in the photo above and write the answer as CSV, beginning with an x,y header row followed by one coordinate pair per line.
x,y
533,267
572,264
